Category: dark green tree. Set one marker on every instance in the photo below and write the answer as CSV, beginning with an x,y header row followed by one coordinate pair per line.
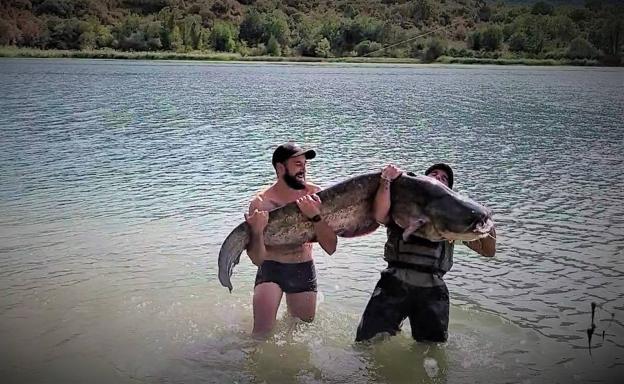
x,y
542,8
252,27
223,36
580,48
491,38
323,48
192,31
612,37
435,48
276,25
474,40
517,42
273,48
594,5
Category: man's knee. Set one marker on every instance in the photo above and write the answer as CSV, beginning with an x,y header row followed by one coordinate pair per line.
x,y
303,312
302,305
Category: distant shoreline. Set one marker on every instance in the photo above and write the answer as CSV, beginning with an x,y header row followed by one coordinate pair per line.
x,y
234,57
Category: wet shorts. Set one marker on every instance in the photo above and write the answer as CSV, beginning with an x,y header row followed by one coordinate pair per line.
x,y
393,301
291,277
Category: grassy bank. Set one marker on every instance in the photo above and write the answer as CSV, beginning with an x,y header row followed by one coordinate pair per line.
x,y
516,61
194,55
221,56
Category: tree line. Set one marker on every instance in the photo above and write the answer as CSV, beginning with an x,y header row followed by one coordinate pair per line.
x,y
322,28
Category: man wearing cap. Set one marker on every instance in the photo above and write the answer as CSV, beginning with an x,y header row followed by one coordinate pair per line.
x,y
286,269
412,286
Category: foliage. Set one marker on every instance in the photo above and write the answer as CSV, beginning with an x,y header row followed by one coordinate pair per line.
x,y
223,37
273,47
474,40
591,30
323,48
517,42
491,38
252,27
367,47
581,49
542,8
435,49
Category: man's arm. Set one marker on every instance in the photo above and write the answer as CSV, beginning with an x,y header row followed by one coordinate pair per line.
x,y
485,246
326,236
257,221
381,204
310,206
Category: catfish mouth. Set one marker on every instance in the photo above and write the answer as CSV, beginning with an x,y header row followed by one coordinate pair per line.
x,y
483,226
479,229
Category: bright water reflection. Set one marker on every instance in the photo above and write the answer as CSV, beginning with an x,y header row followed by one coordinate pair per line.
x,y
119,180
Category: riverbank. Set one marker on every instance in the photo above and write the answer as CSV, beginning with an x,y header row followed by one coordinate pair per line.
x,y
222,56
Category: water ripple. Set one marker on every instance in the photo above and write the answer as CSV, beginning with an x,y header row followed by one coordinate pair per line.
x,y
122,179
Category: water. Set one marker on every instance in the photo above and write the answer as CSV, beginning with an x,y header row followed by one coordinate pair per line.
x,y
120,179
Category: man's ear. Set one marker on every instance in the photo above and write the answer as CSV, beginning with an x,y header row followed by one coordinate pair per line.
x,y
280,168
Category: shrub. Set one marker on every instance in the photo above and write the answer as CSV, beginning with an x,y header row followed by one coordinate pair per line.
x,y
222,37
323,48
435,49
580,48
517,42
542,8
273,47
365,47
474,40
491,38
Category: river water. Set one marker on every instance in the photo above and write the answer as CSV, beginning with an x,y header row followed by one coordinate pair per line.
x,y
120,179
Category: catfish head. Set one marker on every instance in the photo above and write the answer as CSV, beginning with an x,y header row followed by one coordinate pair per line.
x,y
423,206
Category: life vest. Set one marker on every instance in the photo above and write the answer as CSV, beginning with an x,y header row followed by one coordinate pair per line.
x,y
417,253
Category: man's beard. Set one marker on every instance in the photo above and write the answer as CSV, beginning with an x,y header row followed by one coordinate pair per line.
x,y
292,181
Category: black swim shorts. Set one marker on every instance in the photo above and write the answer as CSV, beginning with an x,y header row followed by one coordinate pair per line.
x,y
291,277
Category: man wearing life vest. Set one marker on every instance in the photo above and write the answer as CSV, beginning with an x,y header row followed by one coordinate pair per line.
x,y
412,286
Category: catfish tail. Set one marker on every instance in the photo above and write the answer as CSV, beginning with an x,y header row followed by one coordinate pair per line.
x,y
230,252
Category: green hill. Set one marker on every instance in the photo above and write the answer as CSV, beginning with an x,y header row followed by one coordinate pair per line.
x,y
478,29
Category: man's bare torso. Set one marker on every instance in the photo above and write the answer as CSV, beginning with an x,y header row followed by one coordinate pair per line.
x,y
269,200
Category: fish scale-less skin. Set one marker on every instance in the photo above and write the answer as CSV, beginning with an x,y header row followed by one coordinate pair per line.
x,y
347,208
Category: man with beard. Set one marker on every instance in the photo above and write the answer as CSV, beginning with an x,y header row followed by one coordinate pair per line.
x,y
412,286
286,269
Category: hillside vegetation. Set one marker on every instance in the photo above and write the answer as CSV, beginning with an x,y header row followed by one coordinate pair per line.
x,y
591,30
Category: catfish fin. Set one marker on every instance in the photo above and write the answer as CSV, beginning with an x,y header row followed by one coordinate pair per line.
x,y
412,225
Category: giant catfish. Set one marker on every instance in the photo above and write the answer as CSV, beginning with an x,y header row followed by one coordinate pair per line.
x,y
420,205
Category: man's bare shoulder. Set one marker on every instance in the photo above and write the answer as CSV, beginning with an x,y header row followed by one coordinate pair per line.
x,y
263,200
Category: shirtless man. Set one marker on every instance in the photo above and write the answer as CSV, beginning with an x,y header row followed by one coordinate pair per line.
x,y
286,269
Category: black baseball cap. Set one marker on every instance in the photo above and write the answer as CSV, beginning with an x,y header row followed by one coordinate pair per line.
x,y
290,149
446,168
